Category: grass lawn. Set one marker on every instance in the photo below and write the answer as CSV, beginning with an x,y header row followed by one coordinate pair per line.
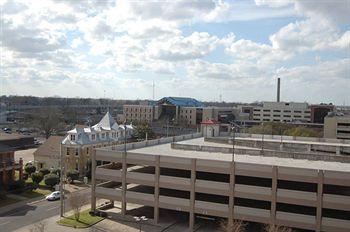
x,y
85,220
7,201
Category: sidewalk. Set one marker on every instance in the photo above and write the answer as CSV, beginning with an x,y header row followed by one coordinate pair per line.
x,y
117,223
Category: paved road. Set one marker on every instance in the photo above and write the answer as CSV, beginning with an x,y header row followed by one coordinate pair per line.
x,y
32,213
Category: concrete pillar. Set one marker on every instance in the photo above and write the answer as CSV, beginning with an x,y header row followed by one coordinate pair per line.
x,y
124,186
93,180
231,203
308,147
156,189
20,168
192,194
337,150
273,195
319,200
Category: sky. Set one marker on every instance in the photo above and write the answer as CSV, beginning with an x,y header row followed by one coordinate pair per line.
x,y
210,50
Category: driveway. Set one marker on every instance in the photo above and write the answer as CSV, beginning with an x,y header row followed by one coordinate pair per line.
x,y
26,155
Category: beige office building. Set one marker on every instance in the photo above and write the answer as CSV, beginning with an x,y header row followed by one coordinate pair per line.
x,y
337,126
139,113
282,112
189,174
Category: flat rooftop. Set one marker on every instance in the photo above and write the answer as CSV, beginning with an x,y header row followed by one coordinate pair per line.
x,y
297,142
166,150
5,136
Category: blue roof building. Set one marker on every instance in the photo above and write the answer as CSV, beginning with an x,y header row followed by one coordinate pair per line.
x,y
181,101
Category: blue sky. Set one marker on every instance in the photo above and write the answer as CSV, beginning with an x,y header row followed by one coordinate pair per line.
x,y
201,49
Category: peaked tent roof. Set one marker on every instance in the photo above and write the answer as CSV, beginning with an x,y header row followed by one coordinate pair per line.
x,y
106,123
181,101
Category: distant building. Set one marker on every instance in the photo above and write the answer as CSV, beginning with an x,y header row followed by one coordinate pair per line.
x,y
77,146
182,110
224,114
48,154
9,143
337,126
319,112
282,112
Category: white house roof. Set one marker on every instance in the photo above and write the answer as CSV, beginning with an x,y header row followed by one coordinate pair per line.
x,y
82,133
106,123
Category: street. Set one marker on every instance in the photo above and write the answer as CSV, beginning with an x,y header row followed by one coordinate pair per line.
x,y
32,213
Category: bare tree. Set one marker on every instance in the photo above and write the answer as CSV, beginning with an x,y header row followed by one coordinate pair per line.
x,y
48,120
38,227
275,228
77,201
237,226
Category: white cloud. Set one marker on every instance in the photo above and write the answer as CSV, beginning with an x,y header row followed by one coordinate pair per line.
x,y
308,35
197,45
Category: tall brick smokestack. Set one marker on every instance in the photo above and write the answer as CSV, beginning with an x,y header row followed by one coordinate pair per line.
x,y
278,89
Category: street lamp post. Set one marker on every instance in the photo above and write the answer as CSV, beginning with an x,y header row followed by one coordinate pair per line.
x,y
140,220
233,142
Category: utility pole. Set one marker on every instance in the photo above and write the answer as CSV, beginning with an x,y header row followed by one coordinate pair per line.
x,y
61,183
233,142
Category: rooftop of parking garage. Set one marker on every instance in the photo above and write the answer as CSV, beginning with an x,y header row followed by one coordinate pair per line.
x,y
166,150
298,142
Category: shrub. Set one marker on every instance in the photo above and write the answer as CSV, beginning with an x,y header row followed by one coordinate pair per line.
x,y
51,180
29,169
31,186
56,171
44,171
37,177
72,176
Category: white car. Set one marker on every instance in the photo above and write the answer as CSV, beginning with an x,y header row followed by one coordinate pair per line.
x,y
53,196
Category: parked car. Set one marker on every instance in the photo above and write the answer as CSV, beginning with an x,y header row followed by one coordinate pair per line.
x,y
53,196
6,129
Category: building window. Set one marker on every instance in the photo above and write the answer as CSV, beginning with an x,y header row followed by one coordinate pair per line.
x,y
87,150
72,137
93,137
76,165
76,152
107,134
103,136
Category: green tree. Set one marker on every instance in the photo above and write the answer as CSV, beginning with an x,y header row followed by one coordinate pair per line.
x,y
51,179
37,177
142,130
56,171
72,176
29,169
278,128
44,171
